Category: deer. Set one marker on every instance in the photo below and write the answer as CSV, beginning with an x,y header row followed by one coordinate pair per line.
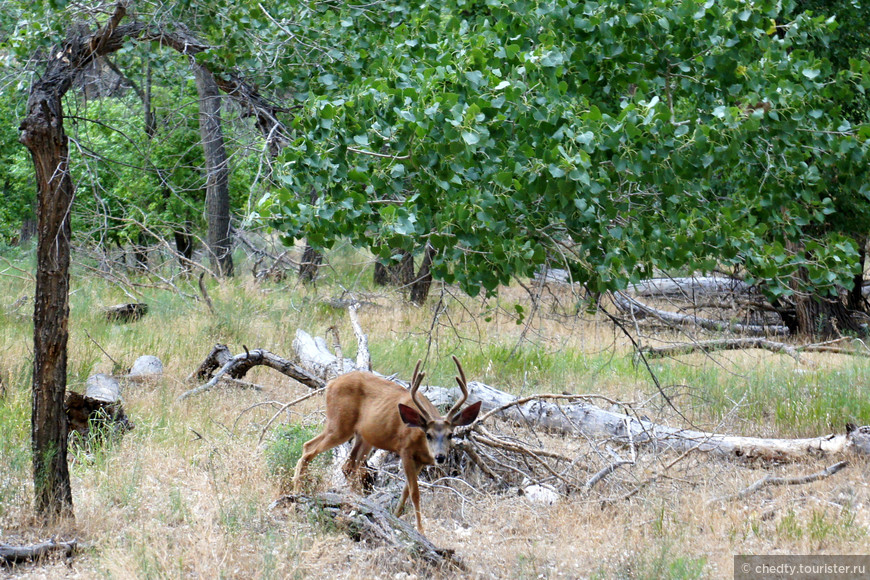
x,y
382,414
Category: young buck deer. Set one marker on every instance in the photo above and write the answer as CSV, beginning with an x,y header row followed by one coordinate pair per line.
x,y
384,415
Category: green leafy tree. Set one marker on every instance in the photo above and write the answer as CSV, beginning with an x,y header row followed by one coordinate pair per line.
x,y
612,138
17,188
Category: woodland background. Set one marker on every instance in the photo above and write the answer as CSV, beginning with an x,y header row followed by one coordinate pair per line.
x,y
487,179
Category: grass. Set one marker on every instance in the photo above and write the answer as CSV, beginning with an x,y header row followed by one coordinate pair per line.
x,y
187,492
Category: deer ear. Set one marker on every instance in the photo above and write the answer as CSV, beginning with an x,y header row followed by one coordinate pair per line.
x,y
411,416
468,415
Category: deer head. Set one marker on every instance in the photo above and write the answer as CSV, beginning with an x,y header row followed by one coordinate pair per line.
x,y
438,429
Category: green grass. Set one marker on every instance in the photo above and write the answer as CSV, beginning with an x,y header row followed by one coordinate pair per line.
x,y
285,449
795,400
14,451
187,468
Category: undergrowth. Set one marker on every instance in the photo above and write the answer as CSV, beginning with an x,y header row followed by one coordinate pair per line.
x,y
187,492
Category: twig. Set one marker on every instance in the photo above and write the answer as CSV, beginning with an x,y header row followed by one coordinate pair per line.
x,y
656,476
101,348
336,346
771,480
363,358
605,472
12,554
286,406
205,296
252,407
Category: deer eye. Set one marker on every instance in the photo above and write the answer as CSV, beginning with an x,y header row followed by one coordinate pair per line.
x,y
428,437
449,436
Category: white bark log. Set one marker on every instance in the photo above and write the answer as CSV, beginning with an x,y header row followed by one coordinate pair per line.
x,y
591,421
631,305
102,387
315,355
691,287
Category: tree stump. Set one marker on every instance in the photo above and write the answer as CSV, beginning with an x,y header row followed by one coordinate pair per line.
x,y
126,312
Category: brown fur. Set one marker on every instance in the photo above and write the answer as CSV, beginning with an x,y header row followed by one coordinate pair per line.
x,y
365,406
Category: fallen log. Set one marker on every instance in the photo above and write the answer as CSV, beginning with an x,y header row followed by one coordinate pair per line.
x,y
634,307
588,420
690,288
722,344
363,519
238,366
16,554
126,312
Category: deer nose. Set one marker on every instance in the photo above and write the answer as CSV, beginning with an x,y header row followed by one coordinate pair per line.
x,y
440,458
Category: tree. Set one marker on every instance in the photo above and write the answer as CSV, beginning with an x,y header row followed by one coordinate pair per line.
x,y
43,133
612,138
217,197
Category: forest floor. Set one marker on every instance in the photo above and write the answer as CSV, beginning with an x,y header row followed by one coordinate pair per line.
x,y
187,493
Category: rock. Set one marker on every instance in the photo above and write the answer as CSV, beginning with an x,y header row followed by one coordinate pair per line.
x,y
146,366
540,494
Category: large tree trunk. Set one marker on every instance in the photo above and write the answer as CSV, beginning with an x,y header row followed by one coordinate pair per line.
x,y
217,197
420,286
309,264
184,247
42,132
381,275
856,294
140,252
816,315
28,230
398,274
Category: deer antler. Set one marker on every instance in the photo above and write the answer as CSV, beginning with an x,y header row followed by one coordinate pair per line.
x,y
463,386
416,379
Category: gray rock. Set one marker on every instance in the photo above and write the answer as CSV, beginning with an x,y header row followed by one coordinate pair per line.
x,y
146,365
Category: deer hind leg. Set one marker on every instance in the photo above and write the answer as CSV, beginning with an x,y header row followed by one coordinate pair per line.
x,y
311,449
355,469
412,489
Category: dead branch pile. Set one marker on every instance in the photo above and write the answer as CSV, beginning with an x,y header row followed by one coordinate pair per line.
x,y
369,519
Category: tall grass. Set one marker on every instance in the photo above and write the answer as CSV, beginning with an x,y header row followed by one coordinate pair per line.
x,y
187,492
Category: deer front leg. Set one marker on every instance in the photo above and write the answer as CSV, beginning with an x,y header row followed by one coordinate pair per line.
x,y
412,489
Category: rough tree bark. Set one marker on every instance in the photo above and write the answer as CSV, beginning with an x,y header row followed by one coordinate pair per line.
x,y
217,196
42,132
309,264
421,284
816,315
399,274
856,293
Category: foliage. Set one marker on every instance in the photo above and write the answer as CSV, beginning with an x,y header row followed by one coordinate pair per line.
x,y
127,179
283,453
17,187
615,138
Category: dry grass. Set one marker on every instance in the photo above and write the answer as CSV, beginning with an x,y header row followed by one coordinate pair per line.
x,y
186,494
